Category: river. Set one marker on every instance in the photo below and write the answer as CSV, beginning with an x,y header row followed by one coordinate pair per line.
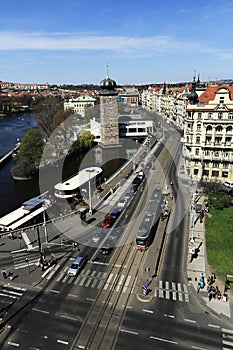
x,y
14,193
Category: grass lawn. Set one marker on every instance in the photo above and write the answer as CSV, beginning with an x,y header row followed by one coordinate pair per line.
x,y
219,241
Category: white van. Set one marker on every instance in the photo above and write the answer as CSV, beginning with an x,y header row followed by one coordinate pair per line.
x,y
76,266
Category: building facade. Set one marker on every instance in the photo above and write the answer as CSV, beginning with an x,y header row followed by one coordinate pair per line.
x,y
80,104
208,135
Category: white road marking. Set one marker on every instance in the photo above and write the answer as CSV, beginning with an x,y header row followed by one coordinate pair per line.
x,y
13,344
62,342
165,340
54,291
148,311
39,310
197,347
72,295
227,330
225,342
170,316
69,318
90,299
213,325
191,321
127,331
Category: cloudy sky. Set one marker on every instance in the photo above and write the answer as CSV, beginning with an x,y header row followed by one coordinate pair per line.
x,y
150,41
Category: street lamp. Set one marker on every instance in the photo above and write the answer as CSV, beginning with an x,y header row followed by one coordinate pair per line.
x,y
89,186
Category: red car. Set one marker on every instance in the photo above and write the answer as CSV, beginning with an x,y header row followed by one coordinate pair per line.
x,y
108,221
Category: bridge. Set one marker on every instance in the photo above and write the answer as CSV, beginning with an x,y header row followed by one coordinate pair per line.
x,y
8,155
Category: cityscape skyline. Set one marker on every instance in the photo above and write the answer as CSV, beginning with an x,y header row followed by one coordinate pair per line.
x,y
71,42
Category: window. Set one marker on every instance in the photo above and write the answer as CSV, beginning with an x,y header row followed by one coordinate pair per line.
x,y
218,141
215,173
221,100
198,139
197,151
209,129
220,115
198,127
224,174
228,141
195,172
229,130
210,116
230,116
219,128
207,152
208,140
199,115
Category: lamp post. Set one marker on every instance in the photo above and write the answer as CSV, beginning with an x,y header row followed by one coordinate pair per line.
x,y
44,225
89,187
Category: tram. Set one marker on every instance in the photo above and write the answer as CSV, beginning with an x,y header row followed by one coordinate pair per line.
x,y
147,229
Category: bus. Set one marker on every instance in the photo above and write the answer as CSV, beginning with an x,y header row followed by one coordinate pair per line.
x,y
148,226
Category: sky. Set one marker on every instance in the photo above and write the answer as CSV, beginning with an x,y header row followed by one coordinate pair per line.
x,y
143,42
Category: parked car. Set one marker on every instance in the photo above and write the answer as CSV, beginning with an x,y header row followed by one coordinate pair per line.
x,y
76,266
108,221
228,184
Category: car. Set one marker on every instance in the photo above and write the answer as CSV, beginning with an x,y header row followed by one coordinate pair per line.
x,y
114,213
97,236
108,221
106,248
122,203
76,266
228,184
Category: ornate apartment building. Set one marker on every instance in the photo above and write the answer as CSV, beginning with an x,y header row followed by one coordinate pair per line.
x,y
205,114
208,134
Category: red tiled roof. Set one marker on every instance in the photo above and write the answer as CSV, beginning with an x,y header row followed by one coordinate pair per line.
x,y
209,93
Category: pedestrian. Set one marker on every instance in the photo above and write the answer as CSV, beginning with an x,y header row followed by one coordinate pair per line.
x,y
210,296
10,275
4,274
198,287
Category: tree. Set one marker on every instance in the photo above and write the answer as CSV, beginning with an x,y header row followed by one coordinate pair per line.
x,y
85,141
29,154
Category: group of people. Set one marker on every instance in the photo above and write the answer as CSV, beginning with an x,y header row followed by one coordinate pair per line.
x,y
5,275
213,291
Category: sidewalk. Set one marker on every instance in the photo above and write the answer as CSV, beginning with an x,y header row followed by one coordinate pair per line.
x,y
197,265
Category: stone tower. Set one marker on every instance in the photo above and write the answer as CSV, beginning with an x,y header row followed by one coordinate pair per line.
x,y
109,113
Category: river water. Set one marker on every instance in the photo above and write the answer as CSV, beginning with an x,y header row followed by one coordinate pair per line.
x,y
14,193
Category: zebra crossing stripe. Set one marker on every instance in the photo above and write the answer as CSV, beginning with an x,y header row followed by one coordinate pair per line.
x,y
174,291
83,280
108,281
120,283
88,282
126,284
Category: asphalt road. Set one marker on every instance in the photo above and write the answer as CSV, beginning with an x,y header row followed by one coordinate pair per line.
x,y
63,311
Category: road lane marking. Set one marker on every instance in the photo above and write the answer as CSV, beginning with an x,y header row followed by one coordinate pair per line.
x,y
39,310
69,318
165,340
225,342
148,311
13,344
62,341
128,331
54,291
73,295
197,347
213,325
170,316
191,321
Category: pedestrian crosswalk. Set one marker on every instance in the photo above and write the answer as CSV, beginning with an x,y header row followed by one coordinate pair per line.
x,y
11,292
23,259
173,291
227,339
123,283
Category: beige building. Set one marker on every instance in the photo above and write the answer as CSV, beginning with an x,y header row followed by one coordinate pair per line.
x,y
79,104
208,134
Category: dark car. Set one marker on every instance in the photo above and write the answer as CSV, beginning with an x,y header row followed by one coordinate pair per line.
x,y
106,248
108,221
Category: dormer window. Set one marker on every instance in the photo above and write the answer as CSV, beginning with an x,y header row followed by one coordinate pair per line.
x,y
221,100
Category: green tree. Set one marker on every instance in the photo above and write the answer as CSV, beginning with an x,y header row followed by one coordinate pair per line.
x,y
85,141
29,154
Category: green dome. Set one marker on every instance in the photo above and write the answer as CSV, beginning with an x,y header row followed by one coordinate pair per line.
x,y
108,84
